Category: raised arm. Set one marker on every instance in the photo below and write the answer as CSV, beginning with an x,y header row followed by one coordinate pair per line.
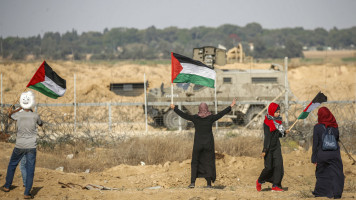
x,y
13,111
221,113
181,113
225,111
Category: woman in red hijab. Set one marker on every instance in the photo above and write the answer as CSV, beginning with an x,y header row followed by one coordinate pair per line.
x,y
203,157
272,154
329,169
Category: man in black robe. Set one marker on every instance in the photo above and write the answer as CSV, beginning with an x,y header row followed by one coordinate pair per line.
x,y
203,157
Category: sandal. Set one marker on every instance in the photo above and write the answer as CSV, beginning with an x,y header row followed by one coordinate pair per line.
x,y
4,189
28,197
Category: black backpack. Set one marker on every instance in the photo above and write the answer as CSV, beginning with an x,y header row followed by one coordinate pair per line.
x,y
329,142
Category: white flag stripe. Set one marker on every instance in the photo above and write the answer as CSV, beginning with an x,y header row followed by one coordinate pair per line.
x,y
198,70
53,86
313,106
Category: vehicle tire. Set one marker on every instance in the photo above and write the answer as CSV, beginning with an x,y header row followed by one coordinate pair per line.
x,y
158,121
250,115
239,120
171,121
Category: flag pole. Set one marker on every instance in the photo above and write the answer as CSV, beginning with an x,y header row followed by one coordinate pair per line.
x,y
319,98
264,109
293,125
171,77
17,100
23,91
216,104
347,152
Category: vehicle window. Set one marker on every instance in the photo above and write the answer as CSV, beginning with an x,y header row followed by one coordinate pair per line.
x,y
227,80
197,87
184,86
264,79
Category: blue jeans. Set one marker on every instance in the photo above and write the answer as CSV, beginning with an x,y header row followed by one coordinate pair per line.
x,y
23,170
17,155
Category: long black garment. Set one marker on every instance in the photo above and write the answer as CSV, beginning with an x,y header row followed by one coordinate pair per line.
x,y
273,171
203,157
329,170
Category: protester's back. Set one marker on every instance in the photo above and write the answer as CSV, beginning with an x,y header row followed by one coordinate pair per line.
x,y
26,129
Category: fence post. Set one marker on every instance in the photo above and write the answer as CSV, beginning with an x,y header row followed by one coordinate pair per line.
x,y
304,120
179,118
1,106
216,105
286,100
145,88
1,90
75,106
109,105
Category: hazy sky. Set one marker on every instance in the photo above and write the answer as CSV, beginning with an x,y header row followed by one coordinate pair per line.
x,y
32,17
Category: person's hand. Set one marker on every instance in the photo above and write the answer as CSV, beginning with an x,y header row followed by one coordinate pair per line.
x,y
11,109
172,106
263,154
233,102
287,131
315,164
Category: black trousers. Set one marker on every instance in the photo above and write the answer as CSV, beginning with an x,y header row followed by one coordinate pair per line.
x,y
273,171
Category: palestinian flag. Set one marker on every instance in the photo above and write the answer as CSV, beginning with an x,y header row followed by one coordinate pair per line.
x,y
48,82
320,98
187,70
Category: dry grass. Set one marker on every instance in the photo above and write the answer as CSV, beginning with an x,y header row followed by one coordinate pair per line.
x,y
151,150
239,146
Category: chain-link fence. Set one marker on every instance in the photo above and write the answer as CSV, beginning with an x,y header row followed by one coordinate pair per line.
x,y
124,119
137,108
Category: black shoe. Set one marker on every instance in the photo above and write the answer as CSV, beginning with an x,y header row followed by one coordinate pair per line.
x,y
209,186
192,185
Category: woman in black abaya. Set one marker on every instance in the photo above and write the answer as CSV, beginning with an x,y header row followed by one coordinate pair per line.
x,y
272,153
329,169
203,157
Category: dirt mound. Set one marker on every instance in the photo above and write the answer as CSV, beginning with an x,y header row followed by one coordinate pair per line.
x,y
93,80
236,177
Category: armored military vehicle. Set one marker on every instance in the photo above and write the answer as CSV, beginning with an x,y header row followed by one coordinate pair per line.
x,y
247,85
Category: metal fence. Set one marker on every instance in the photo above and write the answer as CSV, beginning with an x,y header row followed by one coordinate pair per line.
x,y
129,117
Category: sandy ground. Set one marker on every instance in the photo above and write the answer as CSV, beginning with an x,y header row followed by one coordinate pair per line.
x,y
235,180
